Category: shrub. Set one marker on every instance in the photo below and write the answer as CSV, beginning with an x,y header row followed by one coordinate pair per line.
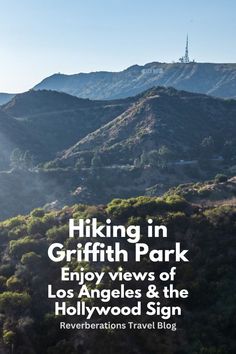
x,y
39,213
14,283
2,283
219,178
176,202
14,302
8,337
30,259
13,222
58,234
22,246
7,270
40,225
17,232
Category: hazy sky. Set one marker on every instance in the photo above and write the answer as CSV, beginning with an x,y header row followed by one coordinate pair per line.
x,y
41,37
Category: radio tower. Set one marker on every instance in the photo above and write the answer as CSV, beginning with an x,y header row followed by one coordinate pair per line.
x,y
186,57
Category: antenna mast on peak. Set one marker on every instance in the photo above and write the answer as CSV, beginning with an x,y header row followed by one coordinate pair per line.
x,y
185,59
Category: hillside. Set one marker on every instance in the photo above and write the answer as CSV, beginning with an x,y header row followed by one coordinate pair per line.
x,y
55,119
180,121
167,137
213,79
5,97
93,151
27,321
214,192
14,135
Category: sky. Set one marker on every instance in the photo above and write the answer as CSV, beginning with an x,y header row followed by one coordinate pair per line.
x,y
41,37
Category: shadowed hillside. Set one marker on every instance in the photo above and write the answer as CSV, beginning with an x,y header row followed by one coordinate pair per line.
x,y
159,116
94,151
55,119
5,97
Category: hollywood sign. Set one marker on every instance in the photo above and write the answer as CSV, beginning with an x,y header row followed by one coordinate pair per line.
x,y
152,71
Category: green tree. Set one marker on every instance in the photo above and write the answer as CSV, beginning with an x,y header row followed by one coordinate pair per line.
x,y
14,283
14,303
8,337
31,260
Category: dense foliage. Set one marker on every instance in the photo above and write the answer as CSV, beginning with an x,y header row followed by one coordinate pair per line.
x,y
28,325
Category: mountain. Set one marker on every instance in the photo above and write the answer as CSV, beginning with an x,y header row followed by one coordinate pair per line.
x,y
57,120
161,117
213,79
166,137
93,151
14,135
5,97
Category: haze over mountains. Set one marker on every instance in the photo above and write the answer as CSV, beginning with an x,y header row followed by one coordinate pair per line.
x,y
54,121
5,97
92,151
213,79
218,80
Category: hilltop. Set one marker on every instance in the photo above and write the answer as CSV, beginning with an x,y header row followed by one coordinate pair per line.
x,y
56,120
213,79
161,117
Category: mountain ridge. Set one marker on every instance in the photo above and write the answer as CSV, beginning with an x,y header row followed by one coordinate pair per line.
x,y
5,97
151,112
209,78
94,151
55,119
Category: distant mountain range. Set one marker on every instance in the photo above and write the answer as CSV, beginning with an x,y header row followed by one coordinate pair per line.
x,y
5,97
217,80
213,79
92,151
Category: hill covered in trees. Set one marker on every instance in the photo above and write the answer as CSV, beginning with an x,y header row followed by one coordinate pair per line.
x,y
188,126
28,325
56,120
61,150
56,147
218,191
